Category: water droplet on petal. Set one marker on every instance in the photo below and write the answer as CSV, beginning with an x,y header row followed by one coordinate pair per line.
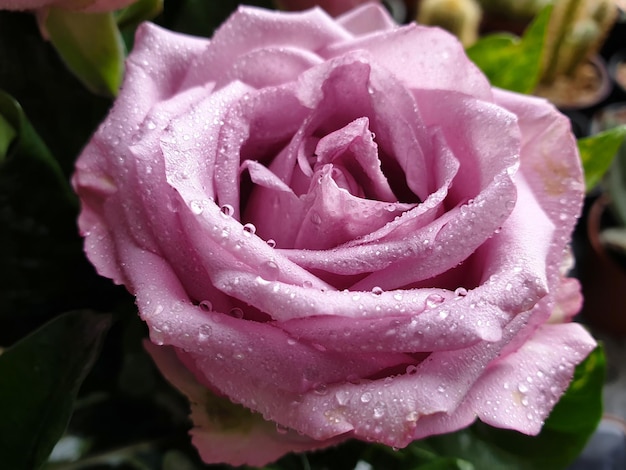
x,y
366,397
342,397
206,306
377,290
280,429
460,292
156,336
522,387
236,312
271,242
269,270
249,229
227,210
196,207
204,332
316,219
379,410
320,389
411,370
307,284
433,300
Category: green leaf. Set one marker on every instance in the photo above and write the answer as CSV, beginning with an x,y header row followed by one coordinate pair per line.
x,y
510,62
561,440
91,46
7,134
597,152
40,377
137,12
41,258
28,145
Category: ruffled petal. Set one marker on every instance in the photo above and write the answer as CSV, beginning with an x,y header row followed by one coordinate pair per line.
x,y
519,391
250,29
425,59
366,19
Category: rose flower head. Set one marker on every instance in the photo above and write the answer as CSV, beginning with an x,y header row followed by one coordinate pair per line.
x,y
336,228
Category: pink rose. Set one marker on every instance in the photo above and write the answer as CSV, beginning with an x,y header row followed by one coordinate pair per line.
x,y
339,225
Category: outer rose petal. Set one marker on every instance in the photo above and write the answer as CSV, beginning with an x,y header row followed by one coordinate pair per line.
x,y
519,391
223,431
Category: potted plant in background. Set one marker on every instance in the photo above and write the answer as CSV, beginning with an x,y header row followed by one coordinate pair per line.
x,y
602,256
573,75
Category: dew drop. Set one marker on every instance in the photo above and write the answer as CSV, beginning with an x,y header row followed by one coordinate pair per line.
x,y
307,284
227,210
366,397
315,218
280,429
269,270
157,337
433,300
379,410
412,416
411,370
522,387
206,306
271,242
443,314
249,229
204,332
441,389
236,312
196,207
320,389
342,397
377,290
460,292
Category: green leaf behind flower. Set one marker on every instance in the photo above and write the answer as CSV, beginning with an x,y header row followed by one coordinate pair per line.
x,y
597,153
40,377
91,46
27,144
511,62
137,12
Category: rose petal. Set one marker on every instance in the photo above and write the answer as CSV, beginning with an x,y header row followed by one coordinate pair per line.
x,y
250,29
519,391
147,81
334,216
425,58
366,19
255,354
223,431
